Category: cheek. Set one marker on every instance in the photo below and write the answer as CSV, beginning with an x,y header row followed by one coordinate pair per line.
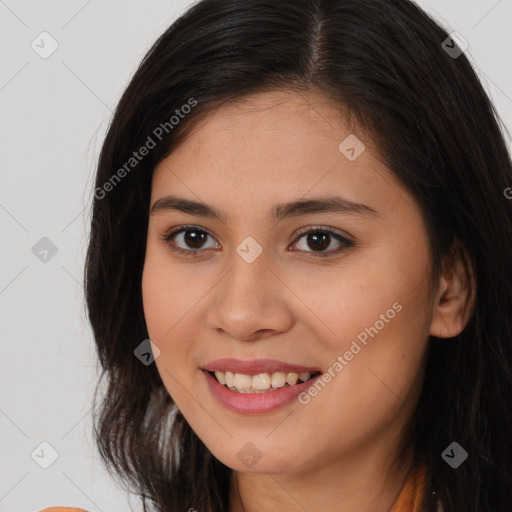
x,y
367,292
375,312
382,337
159,299
165,311
155,303
162,293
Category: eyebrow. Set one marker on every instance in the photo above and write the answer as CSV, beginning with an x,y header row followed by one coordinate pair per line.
x,y
278,212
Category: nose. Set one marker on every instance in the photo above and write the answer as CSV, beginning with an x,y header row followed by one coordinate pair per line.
x,y
250,302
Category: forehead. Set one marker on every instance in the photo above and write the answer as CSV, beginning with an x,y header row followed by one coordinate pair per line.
x,y
283,119
272,147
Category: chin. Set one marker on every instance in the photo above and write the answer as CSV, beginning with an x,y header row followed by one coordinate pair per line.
x,y
249,459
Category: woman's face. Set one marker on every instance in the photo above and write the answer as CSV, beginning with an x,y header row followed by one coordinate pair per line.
x,y
260,283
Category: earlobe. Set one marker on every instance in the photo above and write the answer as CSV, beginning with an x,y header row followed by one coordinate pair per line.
x,y
455,299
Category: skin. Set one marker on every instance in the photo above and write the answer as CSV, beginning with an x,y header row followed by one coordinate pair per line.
x,y
335,452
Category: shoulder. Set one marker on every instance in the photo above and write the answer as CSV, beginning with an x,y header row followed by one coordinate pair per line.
x,y
63,509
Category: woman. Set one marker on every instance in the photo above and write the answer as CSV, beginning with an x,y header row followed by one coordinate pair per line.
x,y
302,205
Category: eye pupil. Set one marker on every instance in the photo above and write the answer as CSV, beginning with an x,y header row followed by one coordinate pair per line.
x,y
319,236
196,240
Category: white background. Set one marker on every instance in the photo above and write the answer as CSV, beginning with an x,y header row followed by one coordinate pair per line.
x,y
54,114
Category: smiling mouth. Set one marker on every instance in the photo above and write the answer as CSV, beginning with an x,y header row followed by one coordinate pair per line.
x,y
262,382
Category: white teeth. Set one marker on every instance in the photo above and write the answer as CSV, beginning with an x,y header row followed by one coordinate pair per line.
x,y
278,379
292,378
242,381
230,379
260,383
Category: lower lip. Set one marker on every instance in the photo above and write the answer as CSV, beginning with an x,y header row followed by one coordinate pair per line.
x,y
254,403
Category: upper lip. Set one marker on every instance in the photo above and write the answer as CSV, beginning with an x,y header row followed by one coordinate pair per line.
x,y
256,366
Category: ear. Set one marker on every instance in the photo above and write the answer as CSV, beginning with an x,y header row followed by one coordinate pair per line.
x,y
455,299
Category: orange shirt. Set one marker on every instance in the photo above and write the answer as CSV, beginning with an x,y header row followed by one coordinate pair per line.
x,y
408,500
412,492
63,509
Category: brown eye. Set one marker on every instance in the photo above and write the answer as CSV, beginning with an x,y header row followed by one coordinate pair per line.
x,y
187,239
191,241
320,239
194,238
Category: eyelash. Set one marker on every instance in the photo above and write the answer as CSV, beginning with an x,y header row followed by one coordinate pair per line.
x,y
167,237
